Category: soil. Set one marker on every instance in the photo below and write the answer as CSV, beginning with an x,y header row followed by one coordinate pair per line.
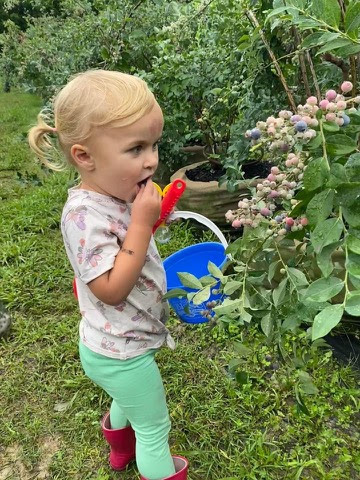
x,y
207,172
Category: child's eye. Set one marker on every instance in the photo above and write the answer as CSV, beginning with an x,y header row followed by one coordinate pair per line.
x,y
137,149
156,145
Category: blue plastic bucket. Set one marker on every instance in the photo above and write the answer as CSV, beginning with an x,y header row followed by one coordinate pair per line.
x,y
193,259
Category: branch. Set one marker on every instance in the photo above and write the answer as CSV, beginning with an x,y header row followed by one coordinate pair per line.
x,y
313,74
255,22
302,62
339,62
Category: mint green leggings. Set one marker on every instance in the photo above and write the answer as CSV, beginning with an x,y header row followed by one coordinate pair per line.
x,y
136,387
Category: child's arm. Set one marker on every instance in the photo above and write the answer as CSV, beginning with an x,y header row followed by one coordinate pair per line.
x,y
114,286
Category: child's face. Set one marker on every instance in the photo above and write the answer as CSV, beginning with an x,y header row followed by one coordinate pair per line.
x,y
124,156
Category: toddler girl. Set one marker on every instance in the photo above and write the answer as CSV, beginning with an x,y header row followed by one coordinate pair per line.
x,y
108,126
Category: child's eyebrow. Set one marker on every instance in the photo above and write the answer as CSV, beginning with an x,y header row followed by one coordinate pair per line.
x,y
141,141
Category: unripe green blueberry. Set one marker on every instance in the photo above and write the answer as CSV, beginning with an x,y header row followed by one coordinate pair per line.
x,y
282,270
282,231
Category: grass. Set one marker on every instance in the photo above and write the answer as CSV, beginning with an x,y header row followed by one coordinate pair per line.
x,y
50,412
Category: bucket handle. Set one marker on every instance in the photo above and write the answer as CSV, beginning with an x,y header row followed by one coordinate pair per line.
x,y
201,219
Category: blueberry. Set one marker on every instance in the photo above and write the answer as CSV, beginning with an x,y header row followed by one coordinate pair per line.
x,y
255,134
279,218
346,120
301,126
288,228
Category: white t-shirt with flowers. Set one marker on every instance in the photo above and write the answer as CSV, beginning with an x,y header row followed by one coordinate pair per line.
x,y
94,226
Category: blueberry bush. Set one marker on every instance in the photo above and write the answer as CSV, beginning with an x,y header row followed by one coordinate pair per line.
x,y
296,266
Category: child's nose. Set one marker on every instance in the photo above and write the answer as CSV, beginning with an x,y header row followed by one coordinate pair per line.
x,y
151,160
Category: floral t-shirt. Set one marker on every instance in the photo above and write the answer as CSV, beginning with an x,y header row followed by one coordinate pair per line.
x,y
94,226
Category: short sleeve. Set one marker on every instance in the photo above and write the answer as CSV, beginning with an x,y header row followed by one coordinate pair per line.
x,y
91,242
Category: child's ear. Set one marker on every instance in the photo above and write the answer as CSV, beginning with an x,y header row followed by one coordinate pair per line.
x,y
82,158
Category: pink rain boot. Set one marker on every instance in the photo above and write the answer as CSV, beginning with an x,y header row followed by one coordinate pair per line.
x,y
122,444
181,467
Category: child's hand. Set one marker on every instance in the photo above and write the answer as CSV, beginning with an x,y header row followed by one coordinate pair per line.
x,y
147,205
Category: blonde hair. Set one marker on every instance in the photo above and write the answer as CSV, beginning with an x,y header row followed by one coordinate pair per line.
x,y
91,99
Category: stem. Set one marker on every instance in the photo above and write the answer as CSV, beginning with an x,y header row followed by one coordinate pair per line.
x,y
346,259
255,22
286,268
313,74
324,144
353,75
302,62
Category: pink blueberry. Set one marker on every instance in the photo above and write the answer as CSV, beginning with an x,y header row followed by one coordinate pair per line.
x,y
331,95
311,101
289,221
346,87
341,105
304,221
323,104
265,212
275,170
236,224
330,117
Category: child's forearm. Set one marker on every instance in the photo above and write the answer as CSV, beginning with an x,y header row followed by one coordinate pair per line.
x,y
114,286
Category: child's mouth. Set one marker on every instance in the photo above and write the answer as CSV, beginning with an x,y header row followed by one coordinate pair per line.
x,y
143,182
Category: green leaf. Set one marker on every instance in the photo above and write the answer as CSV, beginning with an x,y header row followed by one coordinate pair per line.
x,y
348,193
348,50
352,167
352,305
300,402
279,292
228,306
267,325
291,323
352,264
326,320
352,17
316,174
324,259
339,42
353,244
232,286
323,289
201,296
326,10
325,233
214,270
297,277
331,126
337,175
189,280
175,293
277,11
241,349
313,40
242,378
340,145
306,383
320,206
272,269
207,280
352,215
355,281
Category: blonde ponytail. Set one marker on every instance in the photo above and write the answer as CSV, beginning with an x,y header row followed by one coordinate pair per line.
x,y
43,145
